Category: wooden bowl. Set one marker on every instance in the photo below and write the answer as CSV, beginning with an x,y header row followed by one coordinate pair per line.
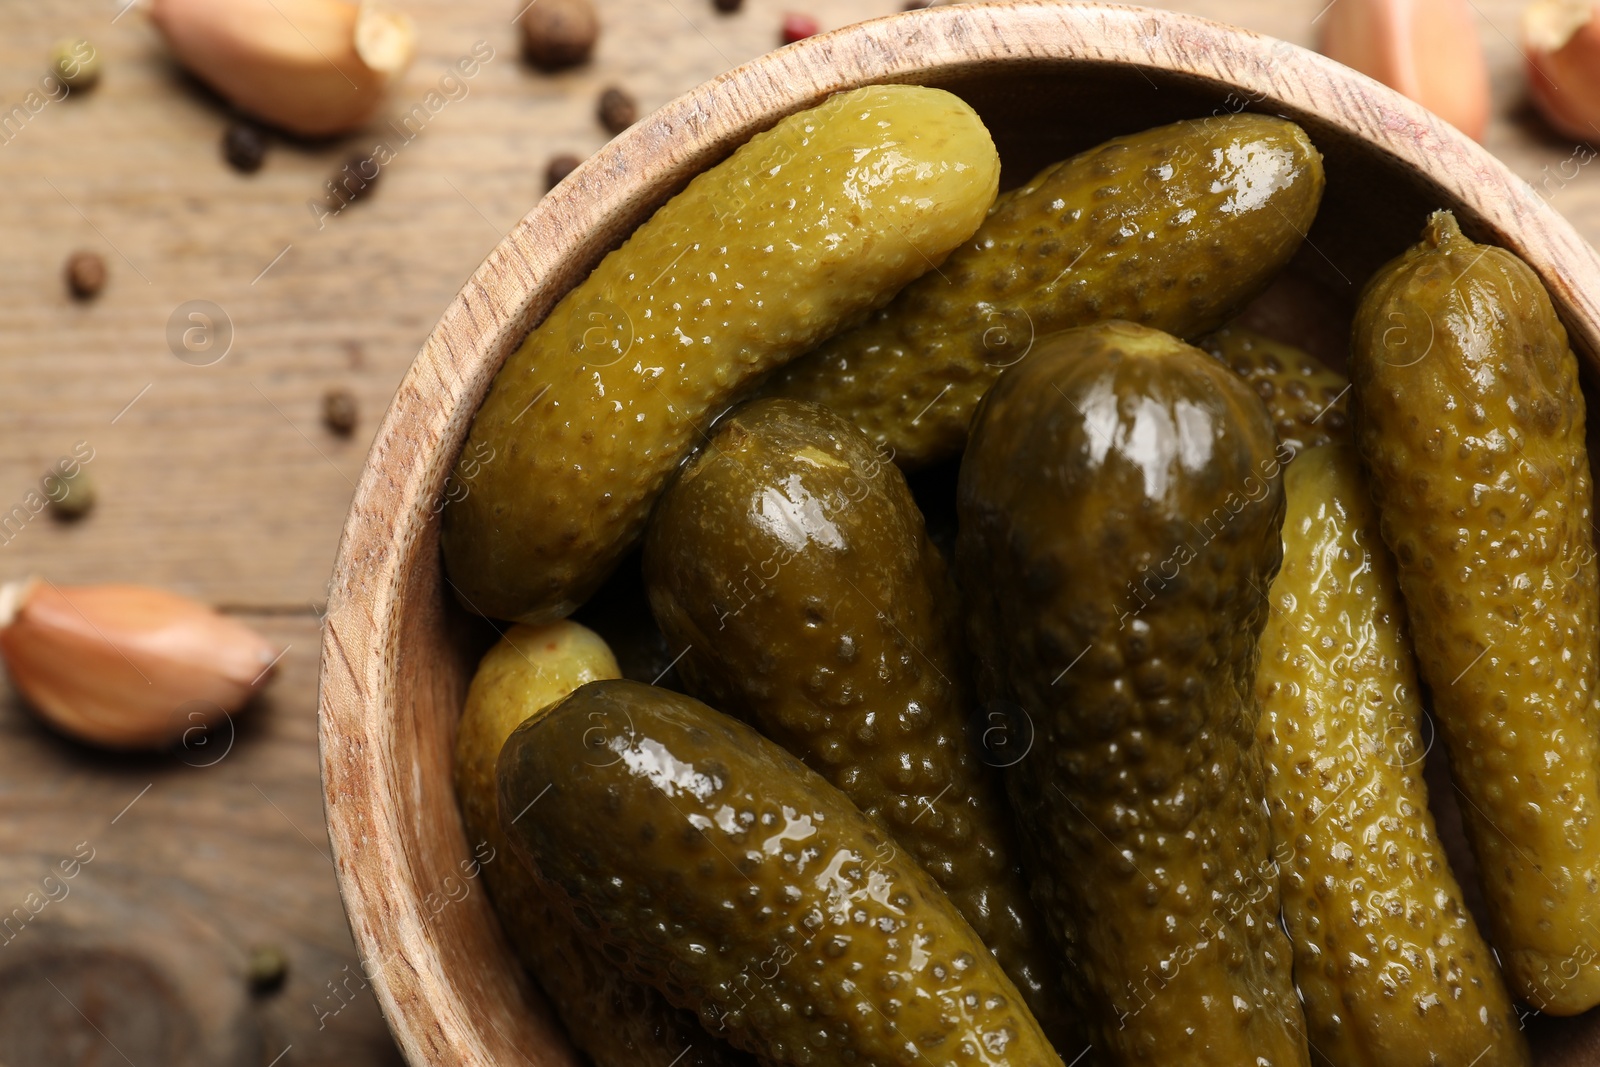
x,y
1050,79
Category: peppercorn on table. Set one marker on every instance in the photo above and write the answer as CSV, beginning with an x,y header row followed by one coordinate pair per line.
x,y
225,377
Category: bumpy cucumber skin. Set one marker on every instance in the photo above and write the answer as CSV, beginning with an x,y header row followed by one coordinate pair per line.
x,y
1177,228
1308,402
791,562
1470,421
715,865
615,1020
801,231
1120,506
1390,965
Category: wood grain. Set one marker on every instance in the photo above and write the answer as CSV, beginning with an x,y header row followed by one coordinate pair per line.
x,y
193,857
132,170
395,660
219,481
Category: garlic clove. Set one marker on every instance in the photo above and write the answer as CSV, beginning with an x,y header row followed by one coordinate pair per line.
x,y
1427,50
1561,39
127,666
312,67
385,40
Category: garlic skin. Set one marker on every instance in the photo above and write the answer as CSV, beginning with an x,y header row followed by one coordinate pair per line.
x,y
1561,39
1427,50
312,67
122,666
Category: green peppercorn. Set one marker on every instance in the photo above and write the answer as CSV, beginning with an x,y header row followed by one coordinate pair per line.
x,y
75,62
72,496
266,969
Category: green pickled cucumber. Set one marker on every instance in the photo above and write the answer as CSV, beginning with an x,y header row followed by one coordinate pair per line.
x,y
791,564
1390,965
615,1020
715,865
1176,227
801,231
1307,400
1469,418
1120,506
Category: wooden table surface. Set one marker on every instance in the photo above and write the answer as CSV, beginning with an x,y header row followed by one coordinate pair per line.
x,y
220,481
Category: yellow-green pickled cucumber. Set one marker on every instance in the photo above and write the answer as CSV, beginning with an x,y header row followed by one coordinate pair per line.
x,y
790,563
712,863
1176,228
615,1020
1470,421
1390,965
1307,401
801,231
1120,504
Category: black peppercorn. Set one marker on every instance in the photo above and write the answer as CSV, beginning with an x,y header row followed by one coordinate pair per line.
x,y
559,33
244,146
558,168
354,181
86,274
339,411
617,110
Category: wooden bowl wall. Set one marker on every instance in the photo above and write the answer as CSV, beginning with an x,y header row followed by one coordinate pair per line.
x,y
1049,79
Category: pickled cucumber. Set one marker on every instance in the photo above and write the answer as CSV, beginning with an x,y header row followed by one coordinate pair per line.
x,y
790,562
1176,227
1469,418
1390,965
801,231
714,864
617,1021
1120,502
1306,400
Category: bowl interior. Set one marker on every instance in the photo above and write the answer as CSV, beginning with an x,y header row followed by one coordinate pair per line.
x,y
1049,80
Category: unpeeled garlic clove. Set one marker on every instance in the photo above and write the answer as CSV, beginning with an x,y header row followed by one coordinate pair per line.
x,y
1427,50
312,67
126,666
1561,39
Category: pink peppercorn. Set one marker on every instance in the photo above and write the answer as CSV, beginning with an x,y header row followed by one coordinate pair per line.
x,y
798,27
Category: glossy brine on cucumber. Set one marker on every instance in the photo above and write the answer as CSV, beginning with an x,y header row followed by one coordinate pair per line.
x,y
1121,502
800,232
716,866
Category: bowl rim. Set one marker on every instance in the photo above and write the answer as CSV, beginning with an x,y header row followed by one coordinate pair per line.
x,y
408,463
